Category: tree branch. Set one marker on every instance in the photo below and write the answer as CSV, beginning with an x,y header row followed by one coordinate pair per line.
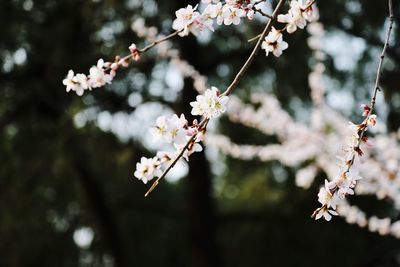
x,y
256,48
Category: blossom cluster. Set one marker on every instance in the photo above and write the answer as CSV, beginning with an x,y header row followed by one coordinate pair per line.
x,y
299,13
209,105
189,20
173,130
185,138
101,74
344,183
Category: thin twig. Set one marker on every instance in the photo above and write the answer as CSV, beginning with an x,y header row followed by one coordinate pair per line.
x,y
253,38
190,141
257,10
147,47
258,2
377,80
257,47
156,42
231,87
362,131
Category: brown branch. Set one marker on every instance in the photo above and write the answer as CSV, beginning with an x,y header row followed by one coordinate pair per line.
x,y
147,47
229,90
363,129
156,42
256,48
202,125
377,80
259,2
262,13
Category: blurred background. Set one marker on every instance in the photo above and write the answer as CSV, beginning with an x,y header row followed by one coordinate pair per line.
x,y
68,196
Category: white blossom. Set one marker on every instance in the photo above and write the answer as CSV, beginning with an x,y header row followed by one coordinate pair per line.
x,y
326,198
147,169
69,81
194,147
209,105
175,131
274,43
233,15
97,76
77,83
326,213
218,13
166,158
250,14
184,18
159,131
296,17
207,17
372,120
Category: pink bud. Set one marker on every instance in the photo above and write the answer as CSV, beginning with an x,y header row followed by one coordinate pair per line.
x,y
114,66
113,73
366,109
124,62
372,120
132,48
136,56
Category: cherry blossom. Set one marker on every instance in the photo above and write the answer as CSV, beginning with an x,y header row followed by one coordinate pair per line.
x,y
69,81
209,105
366,109
147,169
325,213
299,13
184,17
218,13
193,148
372,120
326,198
77,83
134,52
233,15
97,75
274,43
175,129
207,17
188,20
159,131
